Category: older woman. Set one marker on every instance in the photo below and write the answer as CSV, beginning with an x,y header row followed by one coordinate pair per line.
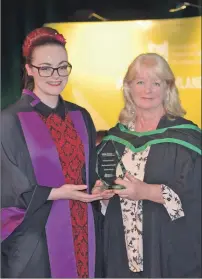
x,y
153,226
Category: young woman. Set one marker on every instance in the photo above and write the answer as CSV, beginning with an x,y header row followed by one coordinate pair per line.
x,y
48,168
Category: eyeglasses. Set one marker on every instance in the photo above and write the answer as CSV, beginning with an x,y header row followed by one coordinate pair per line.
x,y
47,71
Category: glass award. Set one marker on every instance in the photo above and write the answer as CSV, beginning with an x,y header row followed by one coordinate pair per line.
x,y
108,159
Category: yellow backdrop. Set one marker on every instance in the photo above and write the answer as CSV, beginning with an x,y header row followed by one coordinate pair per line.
x,y
101,52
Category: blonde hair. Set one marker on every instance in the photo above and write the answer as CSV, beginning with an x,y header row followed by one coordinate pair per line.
x,y
159,67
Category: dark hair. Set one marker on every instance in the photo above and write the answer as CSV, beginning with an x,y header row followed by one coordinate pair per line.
x,y
100,135
38,37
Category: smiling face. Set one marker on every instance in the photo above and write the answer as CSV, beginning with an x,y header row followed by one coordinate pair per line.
x,y
147,90
47,56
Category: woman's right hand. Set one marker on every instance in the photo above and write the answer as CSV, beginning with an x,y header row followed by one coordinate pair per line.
x,y
106,194
73,192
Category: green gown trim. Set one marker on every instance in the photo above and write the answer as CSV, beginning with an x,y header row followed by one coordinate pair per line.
x,y
155,141
158,131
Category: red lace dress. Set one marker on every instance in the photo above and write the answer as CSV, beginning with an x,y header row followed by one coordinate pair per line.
x,y
71,154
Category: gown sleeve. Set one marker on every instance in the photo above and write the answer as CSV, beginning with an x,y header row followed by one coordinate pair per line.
x,y
185,233
17,188
25,208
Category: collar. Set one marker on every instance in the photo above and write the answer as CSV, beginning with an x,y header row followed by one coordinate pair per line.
x,y
42,108
46,110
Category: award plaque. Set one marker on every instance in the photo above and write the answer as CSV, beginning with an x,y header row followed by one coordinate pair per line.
x,y
108,159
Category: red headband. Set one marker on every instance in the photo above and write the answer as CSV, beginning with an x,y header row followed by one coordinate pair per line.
x,y
38,34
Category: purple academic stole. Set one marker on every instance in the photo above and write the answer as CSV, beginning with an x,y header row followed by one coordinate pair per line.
x,y
48,172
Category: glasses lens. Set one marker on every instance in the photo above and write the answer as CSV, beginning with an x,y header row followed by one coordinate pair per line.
x,y
45,71
64,70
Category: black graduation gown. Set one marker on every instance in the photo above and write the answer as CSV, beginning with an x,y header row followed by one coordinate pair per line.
x,y
24,252
170,248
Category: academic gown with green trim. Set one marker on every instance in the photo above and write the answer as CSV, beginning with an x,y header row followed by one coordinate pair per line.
x,y
170,248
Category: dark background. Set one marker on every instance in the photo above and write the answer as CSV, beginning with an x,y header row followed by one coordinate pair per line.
x,y
22,16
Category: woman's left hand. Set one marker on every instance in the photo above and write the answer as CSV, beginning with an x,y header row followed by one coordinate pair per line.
x,y
98,189
135,189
